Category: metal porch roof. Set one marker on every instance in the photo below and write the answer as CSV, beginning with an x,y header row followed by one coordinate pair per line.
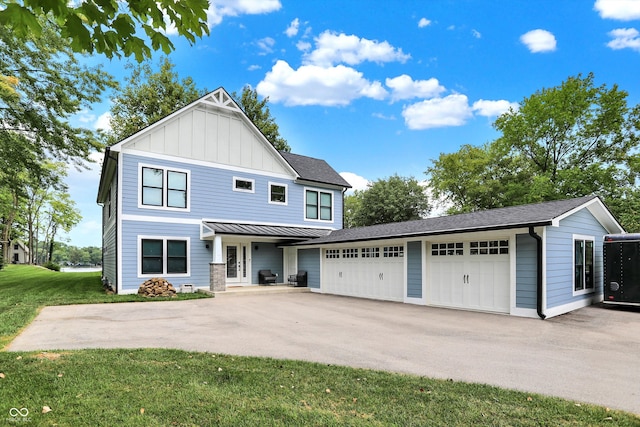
x,y
301,233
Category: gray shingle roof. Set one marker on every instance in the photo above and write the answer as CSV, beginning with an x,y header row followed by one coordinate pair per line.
x,y
314,170
494,219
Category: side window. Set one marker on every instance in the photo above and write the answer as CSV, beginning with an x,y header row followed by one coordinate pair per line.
x,y
244,184
583,265
164,188
277,193
163,256
318,205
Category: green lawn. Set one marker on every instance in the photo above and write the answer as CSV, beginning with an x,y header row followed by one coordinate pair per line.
x,y
156,387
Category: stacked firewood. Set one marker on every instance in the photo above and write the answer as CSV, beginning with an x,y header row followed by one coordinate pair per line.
x,y
157,287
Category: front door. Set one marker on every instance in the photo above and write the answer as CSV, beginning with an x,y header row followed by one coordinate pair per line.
x,y
236,263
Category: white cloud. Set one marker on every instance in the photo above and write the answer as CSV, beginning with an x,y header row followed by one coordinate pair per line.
x,y
357,182
315,85
476,34
404,87
424,22
253,67
292,29
84,116
493,108
622,10
624,38
332,48
452,110
218,9
266,45
103,122
539,41
303,46
383,117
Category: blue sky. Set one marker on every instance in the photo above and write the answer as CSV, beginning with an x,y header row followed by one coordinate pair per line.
x,y
383,87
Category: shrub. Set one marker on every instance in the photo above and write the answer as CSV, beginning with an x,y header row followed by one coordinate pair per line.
x,y
51,266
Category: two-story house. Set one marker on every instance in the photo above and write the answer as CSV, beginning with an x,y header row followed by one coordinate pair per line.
x,y
201,197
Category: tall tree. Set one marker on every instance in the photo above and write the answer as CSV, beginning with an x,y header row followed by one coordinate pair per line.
x,y
110,27
571,140
148,96
390,200
259,113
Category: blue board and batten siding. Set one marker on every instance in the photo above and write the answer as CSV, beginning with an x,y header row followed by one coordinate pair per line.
x,y
414,269
309,261
526,271
559,257
212,196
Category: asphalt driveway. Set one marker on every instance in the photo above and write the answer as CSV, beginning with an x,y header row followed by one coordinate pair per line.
x,y
590,355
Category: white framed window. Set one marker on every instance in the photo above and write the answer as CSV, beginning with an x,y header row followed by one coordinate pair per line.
x,y
583,264
245,185
163,256
445,249
332,253
393,251
277,193
489,247
370,252
350,253
318,205
164,188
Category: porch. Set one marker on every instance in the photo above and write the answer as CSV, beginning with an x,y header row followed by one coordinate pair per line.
x,y
255,290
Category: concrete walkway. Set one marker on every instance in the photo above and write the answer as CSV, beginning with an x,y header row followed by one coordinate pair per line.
x,y
591,355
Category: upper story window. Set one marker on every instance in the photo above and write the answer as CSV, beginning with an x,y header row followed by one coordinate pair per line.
x,y
583,264
277,193
318,205
164,188
244,184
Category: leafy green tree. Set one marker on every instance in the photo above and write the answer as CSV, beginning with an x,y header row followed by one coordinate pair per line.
x,y
149,96
571,140
44,86
352,204
391,200
110,27
259,113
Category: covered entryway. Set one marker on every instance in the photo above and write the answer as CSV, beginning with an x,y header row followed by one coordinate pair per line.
x,y
375,272
470,274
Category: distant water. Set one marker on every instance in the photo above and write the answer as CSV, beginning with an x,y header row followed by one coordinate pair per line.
x,y
80,269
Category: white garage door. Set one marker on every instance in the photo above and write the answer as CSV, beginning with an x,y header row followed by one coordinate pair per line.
x,y
368,272
472,275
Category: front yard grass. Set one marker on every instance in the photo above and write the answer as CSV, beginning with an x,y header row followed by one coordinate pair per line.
x,y
161,387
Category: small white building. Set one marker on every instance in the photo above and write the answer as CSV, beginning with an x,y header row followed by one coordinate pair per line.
x,y
18,252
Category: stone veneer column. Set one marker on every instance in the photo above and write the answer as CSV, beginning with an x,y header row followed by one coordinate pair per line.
x,y
217,277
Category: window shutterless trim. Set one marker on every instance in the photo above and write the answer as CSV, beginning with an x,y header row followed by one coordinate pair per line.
x,y
165,188
165,255
270,194
251,181
584,263
318,206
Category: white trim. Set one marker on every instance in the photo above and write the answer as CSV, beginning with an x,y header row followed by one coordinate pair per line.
x,y
234,186
165,188
164,239
205,163
565,308
304,205
168,220
586,238
119,220
600,213
286,193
